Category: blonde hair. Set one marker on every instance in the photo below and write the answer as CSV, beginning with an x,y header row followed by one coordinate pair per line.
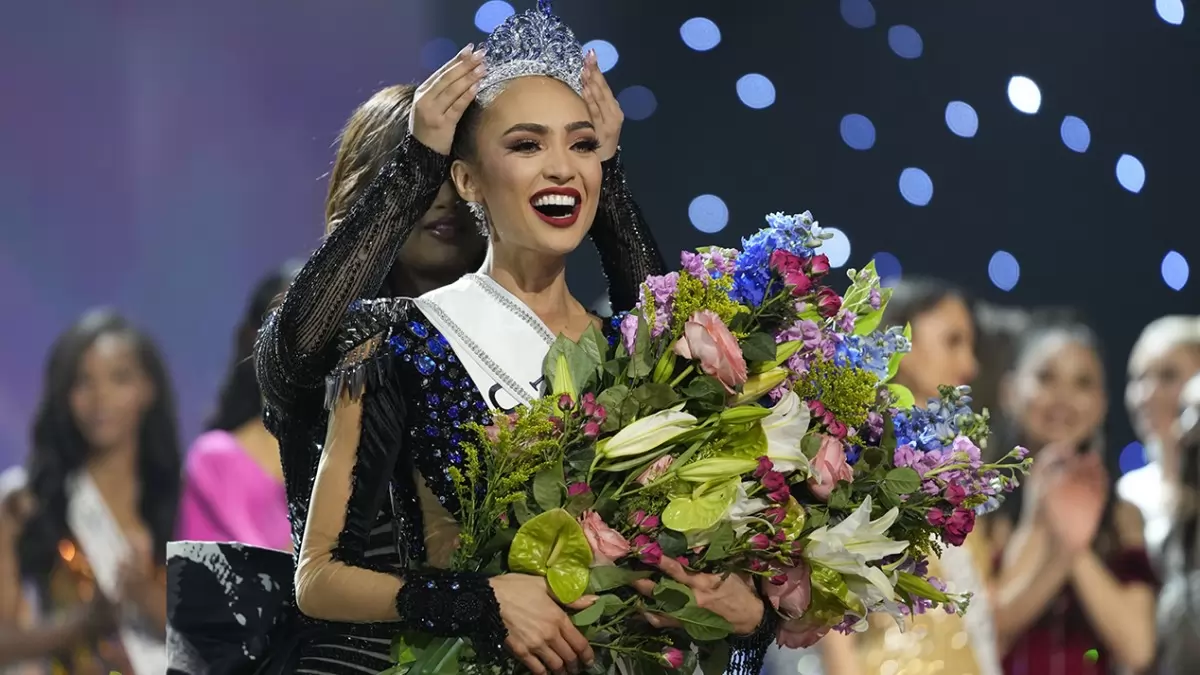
x,y
1178,330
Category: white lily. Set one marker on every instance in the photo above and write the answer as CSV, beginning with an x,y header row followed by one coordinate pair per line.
x,y
850,546
744,508
647,434
785,427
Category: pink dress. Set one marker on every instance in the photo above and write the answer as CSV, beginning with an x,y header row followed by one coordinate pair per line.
x,y
227,496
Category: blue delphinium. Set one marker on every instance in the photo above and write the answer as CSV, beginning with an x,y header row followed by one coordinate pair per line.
x,y
938,424
752,272
871,352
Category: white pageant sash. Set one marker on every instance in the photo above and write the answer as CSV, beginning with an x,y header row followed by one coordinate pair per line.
x,y
499,341
105,547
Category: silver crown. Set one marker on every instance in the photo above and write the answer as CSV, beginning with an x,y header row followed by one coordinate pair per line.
x,y
533,42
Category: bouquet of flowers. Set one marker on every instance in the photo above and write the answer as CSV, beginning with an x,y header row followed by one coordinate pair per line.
x,y
741,420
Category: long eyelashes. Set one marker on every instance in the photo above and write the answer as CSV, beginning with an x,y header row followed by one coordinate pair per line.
x,y
528,146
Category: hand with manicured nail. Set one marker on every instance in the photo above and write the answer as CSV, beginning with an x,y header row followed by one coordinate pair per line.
x,y
441,100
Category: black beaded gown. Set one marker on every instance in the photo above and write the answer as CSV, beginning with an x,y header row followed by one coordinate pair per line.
x,y
232,607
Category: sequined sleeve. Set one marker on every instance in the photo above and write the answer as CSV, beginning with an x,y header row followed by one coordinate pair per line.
x,y
292,352
337,579
748,652
628,252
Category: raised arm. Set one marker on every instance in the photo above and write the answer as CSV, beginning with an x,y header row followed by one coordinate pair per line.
x,y
628,252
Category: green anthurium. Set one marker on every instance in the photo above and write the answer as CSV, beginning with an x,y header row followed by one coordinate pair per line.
x,y
702,508
552,545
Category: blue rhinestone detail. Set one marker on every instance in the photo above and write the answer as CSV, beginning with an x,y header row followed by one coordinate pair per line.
x,y
431,430
425,365
448,383
456,457
418,329
398,343
436,348
433,399
453,412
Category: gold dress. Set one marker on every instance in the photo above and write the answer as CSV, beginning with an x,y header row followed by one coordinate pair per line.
x,y
71,584
937,642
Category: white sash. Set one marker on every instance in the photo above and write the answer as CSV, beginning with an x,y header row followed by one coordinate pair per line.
x,y
499,341
105,547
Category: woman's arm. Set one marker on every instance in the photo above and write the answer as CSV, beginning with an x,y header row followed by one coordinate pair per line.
x,y
1031,576
1121,612
838,655
353,261
628,252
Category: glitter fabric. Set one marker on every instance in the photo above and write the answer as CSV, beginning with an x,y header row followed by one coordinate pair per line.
x,y
533,42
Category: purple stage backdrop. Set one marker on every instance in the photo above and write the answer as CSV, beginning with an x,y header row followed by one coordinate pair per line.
x,y
159,157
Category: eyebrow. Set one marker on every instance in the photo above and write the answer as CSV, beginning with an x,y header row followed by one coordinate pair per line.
x,y
542,129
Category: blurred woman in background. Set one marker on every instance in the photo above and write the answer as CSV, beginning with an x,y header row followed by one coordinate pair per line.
x,y
1075,591
1166,355
1179,601
233,484
91,522
943,353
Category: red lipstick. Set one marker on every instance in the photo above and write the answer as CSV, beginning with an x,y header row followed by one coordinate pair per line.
x,y
557,206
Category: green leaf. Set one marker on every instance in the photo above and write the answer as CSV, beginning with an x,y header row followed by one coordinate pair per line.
x,y
817,517
706,391
673,544
579,503
522,512
915,585
591,614
903,397
702,508
641,364
553,545
499,541
615,368
617,405
719,542
902,481
810,444
758,347
656,396
702,624
840,497
581,459
672,596
717,658
440,657
594,345
872,457
607,578
548,488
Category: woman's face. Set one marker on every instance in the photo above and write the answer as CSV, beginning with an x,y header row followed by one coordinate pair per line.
x,y
1156,379
943,349
535,169
110,394
1057,394
446,241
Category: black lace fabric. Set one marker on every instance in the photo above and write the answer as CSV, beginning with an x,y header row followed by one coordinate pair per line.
x,y
748,652
628,252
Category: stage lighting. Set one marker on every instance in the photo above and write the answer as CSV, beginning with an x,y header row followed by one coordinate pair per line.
x,y
916,186
1004,270
756,91
1024,94
961,119
1130,173
606,54
708,214
700,34
858,132
1075,133
905,41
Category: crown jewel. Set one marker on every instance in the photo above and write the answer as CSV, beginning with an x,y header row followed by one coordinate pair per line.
x,y
533,42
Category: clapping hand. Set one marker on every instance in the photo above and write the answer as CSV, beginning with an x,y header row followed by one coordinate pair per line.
x,y
1072,498
603,107
440,101
733,597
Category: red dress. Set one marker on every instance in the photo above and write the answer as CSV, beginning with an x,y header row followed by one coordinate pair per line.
x,y
1060,642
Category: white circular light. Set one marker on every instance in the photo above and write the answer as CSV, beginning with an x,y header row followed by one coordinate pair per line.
x,y
1170,11
1131,174
1024,94
606,54
836,248
708,214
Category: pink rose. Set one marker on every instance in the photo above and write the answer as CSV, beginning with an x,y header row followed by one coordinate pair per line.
x,y
655,470
800,633
576,489
818,264
672,658
955,494
829,467
828,302
792,597
706,339
607,544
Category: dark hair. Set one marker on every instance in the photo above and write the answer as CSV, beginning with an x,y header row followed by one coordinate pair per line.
x,y
368,142
914,296
240,400
59,449
464,145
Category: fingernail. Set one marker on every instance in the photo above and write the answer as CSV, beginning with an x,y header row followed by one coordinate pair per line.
x,y
479,69
467,49
480,54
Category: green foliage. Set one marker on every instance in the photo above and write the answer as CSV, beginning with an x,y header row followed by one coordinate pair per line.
x,y
552,545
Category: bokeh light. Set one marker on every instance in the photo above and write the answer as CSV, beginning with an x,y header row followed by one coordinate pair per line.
x,y
1132,457
606,54
858,132
756,91
858,13
637,102
961,119
1075,133
916,186
700,34
1170,11
905,42
1004,270
491,14
836,248
1130,173
1175,270
887,266
1024,94
708,214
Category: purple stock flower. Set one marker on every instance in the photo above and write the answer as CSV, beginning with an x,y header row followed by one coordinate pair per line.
x,y
875,299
